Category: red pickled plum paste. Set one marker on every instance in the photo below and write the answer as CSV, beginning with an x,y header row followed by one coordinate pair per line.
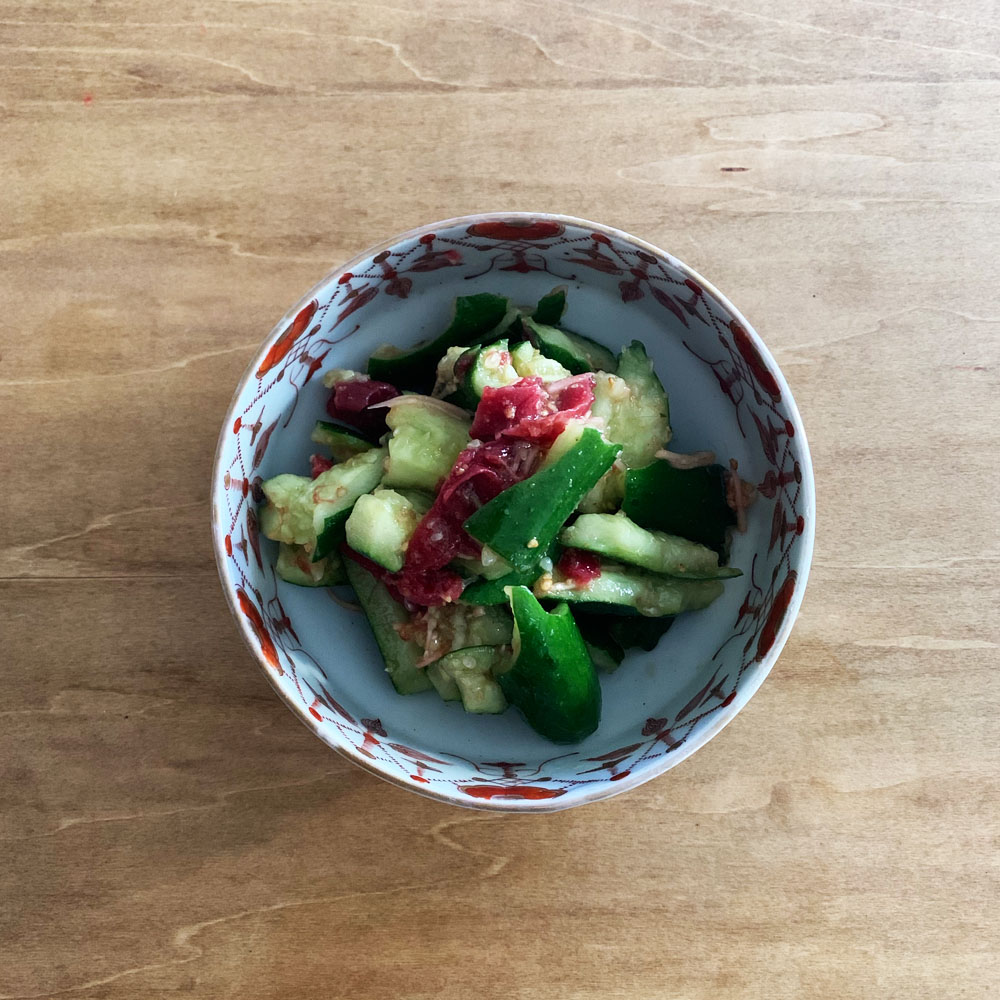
x,y
579,567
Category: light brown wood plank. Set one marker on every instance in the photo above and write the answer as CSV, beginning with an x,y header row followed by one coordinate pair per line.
x,y
174,176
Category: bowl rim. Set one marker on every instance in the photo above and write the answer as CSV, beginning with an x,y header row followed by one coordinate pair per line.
x,y
746,691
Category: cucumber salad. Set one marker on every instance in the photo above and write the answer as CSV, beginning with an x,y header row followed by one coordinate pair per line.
x,y
502,502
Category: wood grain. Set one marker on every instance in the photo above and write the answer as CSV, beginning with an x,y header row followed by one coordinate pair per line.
x,y
175,174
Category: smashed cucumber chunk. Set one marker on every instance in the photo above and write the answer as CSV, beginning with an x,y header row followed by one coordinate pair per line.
x,y
424,445
312,512
443,683
479,368
472,671
384,613
288,514
618,537
608,491
551,680
295,565
529,362
634,407
380,527
647,593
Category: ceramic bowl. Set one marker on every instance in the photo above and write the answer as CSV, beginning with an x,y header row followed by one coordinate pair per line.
x,y
726,394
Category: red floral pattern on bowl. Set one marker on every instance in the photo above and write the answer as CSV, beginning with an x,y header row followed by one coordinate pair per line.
x,y
727,395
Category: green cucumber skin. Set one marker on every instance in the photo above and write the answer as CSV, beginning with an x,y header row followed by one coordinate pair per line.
x,y
690,503
551,307
618,537
475,316
651,595
577,353
552,679
383,612
342,444
533,510
492,592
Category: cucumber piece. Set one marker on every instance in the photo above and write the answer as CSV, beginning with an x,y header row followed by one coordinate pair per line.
x,y
690,503
334,493
522,522
578,354
649,594
456,626
474,316
448,369
383,612
380,527
424,445
552,679
484,366
341,442
443,683
551,307
471,669
529,362
618,537
333,376
288,515
492,367
312,512
489,626
421,501
634,407
609,490
294,565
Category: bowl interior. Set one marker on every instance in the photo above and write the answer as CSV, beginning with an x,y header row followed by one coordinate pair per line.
x,y
725,395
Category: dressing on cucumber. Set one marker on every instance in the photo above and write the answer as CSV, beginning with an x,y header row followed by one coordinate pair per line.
x,y
312,512
451,543
380,527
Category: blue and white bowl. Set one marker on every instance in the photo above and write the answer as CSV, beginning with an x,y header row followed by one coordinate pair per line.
x,y
726,394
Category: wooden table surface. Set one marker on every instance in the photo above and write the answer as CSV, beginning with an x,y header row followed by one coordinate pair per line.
x,y
175,174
